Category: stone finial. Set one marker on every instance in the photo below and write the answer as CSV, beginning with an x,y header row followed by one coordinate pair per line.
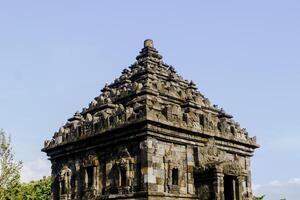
x,y
148,43
149,52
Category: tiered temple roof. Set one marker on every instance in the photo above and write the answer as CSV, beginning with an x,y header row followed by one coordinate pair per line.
x,y
150,90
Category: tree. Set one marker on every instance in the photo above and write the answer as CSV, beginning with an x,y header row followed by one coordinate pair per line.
x,y
9,168
34,190
42,188
259,198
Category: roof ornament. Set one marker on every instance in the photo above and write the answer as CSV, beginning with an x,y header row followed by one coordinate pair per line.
x,y
222,114
193,85
106,88
148,43
172,69
149,52
125,71
76,116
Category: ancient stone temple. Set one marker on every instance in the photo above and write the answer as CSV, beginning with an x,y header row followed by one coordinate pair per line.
x,y
151,135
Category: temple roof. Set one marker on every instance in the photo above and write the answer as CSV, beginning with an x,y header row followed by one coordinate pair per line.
x,y
150,90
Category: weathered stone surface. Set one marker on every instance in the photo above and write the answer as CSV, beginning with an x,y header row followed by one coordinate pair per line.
x,y
151,135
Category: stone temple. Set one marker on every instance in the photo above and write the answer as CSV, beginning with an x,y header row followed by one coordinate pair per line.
x,y
151,135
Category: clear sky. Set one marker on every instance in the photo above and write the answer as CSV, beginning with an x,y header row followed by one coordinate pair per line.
x,y
55,57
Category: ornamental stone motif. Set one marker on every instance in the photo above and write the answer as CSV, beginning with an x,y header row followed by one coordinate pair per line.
x,y
151,134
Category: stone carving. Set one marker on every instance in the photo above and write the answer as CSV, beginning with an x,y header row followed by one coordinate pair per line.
x,y
91,159
121,174
210,156
232,167
65,182
150,132
205,192
128,85
167,174
169,165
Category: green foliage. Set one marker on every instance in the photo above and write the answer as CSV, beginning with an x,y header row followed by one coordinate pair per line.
x,y
10,186
9,168
259,198
35,190
263,197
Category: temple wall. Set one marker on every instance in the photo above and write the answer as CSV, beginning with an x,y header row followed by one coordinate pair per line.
x,y
115,170
170,168
162,169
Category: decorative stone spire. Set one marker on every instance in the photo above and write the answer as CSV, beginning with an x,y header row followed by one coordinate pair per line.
x,y
77,116
149,52
150,109
151,89
148,43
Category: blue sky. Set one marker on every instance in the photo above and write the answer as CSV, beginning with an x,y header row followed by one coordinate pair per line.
x,y
55,57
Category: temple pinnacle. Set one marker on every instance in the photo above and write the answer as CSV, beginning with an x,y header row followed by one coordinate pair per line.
x,y
148,43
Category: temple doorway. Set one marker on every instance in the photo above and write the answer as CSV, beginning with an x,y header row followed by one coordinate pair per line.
x,y
231,188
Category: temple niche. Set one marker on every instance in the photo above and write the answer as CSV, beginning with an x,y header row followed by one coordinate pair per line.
x,y
65,182
151,134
